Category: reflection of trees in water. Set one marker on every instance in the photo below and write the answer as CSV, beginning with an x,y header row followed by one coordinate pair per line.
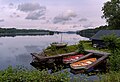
x,y
33,48
1,44
13,50
24,34
24,58
74,38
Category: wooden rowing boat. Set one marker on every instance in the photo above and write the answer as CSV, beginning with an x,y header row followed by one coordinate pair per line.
x,y
48,59
88,61
75,58
82,63
59,45
71,59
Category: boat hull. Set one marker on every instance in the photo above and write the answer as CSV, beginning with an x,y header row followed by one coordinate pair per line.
x,y
71,59
82,64
59,45
98,59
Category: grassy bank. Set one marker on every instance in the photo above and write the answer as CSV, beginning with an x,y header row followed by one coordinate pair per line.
x,y
112,76
88,46
22,75
49,51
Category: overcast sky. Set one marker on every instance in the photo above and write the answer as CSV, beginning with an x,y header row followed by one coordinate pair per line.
x,y
64,15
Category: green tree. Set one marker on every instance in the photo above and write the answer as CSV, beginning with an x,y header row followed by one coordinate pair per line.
x,y
114,60
112,42
111,11
80,48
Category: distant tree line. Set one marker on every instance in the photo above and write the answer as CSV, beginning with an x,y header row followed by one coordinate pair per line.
x,y
14,31
90,32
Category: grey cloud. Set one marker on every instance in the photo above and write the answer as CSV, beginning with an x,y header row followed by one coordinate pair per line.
x,y
17,15
58,19
83,19
66,16
47,21
74,26
11,16
43,18
34,11
88,25
28,7
35,15
11,4
14,15
2,20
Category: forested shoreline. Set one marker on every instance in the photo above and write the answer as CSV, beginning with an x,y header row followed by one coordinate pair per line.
x,y
14,32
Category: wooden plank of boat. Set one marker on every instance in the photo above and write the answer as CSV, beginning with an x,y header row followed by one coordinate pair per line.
x,y
67,60
41,58
75,58
98,52
100,59
82,63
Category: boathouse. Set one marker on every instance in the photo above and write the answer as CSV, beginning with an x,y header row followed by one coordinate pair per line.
x,y
97,38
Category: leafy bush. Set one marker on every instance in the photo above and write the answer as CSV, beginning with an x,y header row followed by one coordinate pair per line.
x,y
23,75
114,60
80,48
113,44
112,76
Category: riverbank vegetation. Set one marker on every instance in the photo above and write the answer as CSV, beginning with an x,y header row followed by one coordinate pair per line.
x,y
113,44
52,50
82,45
23,75
112,76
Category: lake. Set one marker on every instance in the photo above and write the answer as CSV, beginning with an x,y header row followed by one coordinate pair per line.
x,y
16,50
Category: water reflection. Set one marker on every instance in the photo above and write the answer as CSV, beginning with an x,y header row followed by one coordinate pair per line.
x,y
24,58
16,50
33,48
1,44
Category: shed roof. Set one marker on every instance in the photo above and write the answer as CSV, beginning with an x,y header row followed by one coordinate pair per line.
x,y
101,33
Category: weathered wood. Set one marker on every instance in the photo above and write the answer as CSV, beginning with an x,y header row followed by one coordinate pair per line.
x,y
53,57
83,57
59,56
37,58
100,60
97,52
101,57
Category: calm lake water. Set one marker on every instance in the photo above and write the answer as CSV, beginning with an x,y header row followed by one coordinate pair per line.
x,y
16,50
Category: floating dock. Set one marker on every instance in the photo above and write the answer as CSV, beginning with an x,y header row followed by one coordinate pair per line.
x,y
58,59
